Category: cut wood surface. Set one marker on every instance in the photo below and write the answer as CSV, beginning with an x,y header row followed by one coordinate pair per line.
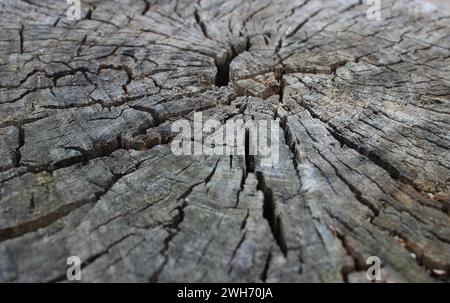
x,y
87,169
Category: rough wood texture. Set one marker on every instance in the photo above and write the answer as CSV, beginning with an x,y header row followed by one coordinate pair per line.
x,y
86,167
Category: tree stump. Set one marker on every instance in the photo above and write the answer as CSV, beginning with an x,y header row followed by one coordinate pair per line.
x,y
87,169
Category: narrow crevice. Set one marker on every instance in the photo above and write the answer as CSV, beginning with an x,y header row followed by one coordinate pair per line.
x,y
17,154
40,222
360,265
301,261
279,46
80,48
91,9
223,64
358,260
244,222
356,192
129,78
269,213
209,177
201,24
99,150
289,141
265,272
249,159
155,116
351,7
174,227
113,52
248,44
23,95
68,72
223,71
335,66
130,53
372,155
236,249
146,7
55,24
88,15
104,252
300,25
281,85
53,216
32,203
241,188
426,262
21,38
92,258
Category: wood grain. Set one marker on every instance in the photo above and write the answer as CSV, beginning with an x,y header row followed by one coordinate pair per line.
x,y
86,168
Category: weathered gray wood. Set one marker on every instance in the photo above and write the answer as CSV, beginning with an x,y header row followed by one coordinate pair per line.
x,y
86,168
